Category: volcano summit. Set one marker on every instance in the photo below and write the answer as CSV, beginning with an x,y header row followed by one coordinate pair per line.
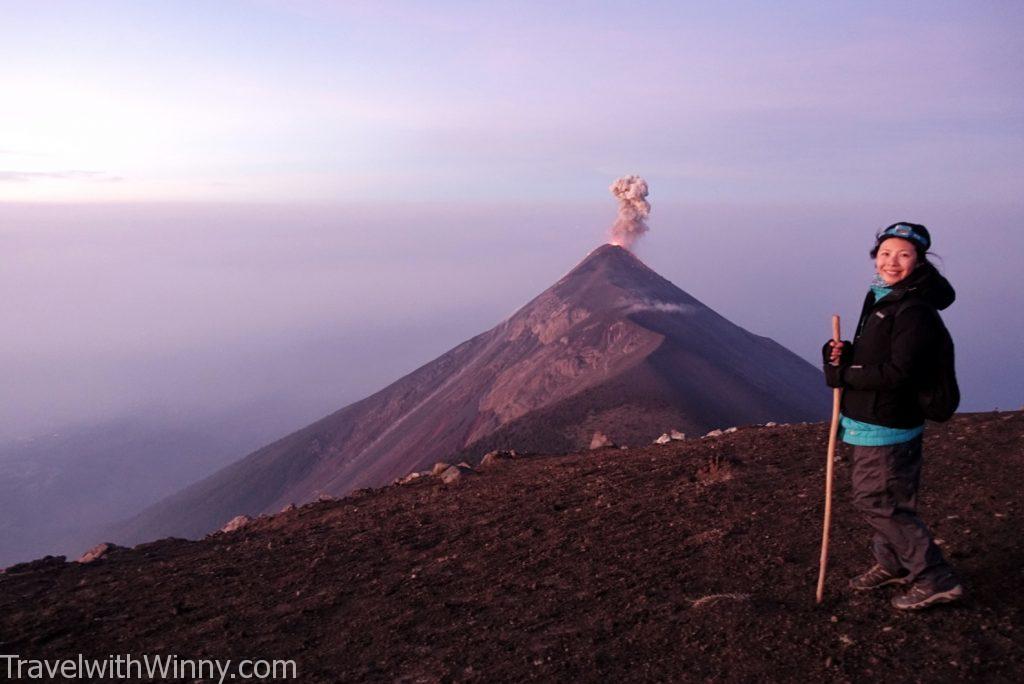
x,y
612,346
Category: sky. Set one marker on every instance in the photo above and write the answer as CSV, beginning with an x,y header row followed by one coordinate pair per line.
x,y
475,101
204,203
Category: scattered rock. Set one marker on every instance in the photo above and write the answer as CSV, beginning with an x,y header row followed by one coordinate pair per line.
x,y
237,523
771,424
600,441
325,497
664,439
714,433
439,468
492,457
289,507
97,552
454,474
677,436
411,477
730,430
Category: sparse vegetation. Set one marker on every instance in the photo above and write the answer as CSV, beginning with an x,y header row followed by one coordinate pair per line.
x,y
717,468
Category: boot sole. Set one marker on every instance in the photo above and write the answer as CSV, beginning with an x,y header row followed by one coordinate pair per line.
x,y
947,596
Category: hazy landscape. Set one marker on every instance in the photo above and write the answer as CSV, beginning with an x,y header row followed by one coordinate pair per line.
x,y
223,321
270,262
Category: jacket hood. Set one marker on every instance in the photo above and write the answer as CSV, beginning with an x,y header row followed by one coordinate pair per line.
x,y
927,283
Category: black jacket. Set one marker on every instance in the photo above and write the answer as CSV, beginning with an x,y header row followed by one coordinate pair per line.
x,y
898,343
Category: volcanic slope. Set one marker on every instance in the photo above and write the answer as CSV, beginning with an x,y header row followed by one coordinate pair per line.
x,y
612,346
692,561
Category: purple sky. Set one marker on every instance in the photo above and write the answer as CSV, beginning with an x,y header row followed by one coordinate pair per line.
x,y
203,204
466,101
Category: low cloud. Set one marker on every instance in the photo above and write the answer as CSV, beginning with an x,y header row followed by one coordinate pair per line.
x,y
29,176
11,152
637,306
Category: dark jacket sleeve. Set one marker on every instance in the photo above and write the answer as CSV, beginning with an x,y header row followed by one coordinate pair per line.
x,y
915,336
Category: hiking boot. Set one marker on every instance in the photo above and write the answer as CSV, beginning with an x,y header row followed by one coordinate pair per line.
x,y
924,594
877,577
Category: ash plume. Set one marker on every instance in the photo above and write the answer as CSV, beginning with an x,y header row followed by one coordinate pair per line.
x,y
631,192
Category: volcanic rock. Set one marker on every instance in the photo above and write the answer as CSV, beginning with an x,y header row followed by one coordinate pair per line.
x,y
455,473
97,552
236,523
493,457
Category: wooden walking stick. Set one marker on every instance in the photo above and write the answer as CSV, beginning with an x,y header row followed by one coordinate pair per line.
x,y
832,433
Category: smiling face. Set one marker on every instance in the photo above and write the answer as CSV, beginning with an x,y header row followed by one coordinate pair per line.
x,y
895,260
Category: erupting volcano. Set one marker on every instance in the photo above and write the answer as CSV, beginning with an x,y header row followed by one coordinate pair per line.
x,y
611,347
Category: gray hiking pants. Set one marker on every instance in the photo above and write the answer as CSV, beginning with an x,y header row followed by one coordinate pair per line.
x,y
885,483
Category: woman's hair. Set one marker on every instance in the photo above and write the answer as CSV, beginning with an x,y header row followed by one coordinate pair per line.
x,y
913,233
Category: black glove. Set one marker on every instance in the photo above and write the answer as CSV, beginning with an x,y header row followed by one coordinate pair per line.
x,y
834,374
845,358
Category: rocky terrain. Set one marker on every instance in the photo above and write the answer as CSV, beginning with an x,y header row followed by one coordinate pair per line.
x,y
687,561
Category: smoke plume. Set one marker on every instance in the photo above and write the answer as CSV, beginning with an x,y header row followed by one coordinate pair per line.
x,y
631,192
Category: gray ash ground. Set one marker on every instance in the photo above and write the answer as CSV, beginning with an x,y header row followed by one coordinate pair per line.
x,y
691,561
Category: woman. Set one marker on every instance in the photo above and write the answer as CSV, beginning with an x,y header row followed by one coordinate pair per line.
x,y
894,350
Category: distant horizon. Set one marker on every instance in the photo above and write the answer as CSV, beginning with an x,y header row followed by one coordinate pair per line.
x,y
219,302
